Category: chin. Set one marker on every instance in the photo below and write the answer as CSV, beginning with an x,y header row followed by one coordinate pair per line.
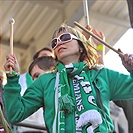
x,y
62,56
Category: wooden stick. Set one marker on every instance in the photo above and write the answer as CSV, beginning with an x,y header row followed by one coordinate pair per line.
x,y
86,14
99,39
11,22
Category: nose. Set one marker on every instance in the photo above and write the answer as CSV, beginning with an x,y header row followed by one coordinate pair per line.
x,y
59,42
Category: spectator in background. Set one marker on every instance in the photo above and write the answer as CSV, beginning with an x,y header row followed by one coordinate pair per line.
x,y
25,80
44,52
42,65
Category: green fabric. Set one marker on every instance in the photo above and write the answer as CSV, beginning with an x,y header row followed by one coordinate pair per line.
x,y
41,93
29,80
66,102
4,124
131,73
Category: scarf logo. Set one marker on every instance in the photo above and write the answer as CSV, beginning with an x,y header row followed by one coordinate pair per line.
x,y
78,95
86,87
83,88
91,100
71,67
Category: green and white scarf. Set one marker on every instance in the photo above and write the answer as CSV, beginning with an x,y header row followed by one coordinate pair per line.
x,y
82,102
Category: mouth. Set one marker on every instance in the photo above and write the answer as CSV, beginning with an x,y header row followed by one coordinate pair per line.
x,y
60,49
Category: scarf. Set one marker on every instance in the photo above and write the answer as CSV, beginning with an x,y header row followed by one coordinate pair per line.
x,y
81,101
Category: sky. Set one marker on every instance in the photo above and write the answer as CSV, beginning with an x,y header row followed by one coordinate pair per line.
x,y
112,59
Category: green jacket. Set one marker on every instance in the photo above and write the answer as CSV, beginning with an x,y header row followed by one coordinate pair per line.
x,y
41,93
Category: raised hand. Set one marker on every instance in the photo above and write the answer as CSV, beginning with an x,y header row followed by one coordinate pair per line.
x,y
11,61
99,46
98,34
127,61
88,27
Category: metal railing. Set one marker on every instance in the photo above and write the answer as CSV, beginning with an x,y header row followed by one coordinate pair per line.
x,y
31,125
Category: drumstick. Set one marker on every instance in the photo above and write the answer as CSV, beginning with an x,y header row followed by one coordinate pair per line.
x,y
99,39
11,22
86,14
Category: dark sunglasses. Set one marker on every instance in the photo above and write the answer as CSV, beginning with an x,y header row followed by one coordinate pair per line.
x,y
63,38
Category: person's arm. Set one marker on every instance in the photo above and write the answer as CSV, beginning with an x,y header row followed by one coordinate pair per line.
x,y
19,107
120,86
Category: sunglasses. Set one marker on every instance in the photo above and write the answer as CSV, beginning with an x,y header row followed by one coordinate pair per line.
x,y
63,38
